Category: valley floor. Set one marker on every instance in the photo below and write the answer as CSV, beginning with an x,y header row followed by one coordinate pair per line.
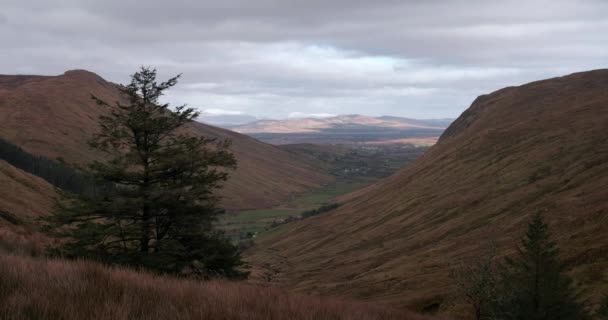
x,y
253,223
352,166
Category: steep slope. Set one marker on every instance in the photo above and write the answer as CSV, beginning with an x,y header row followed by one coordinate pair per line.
x,y
542,147
23,198
55,117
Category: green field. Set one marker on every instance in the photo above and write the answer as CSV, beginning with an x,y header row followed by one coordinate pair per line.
x,y
258,221
354,167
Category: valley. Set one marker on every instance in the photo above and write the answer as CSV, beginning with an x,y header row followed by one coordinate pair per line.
x,y
353,168
539,147
304,160
382,221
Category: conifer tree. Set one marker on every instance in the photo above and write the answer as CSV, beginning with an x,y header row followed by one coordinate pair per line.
x,y
160,213
476,284
534,286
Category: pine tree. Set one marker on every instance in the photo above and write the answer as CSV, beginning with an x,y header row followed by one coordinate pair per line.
x,y
476,284
534,286
159,214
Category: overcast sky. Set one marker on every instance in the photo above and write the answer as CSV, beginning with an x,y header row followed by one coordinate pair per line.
x,y
275,58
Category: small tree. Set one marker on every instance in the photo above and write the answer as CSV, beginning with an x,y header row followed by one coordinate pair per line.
x,y
160,213
602,312
476,284
534,286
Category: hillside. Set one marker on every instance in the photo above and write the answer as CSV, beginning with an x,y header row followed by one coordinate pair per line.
x,y
54,116
53,289
342,129
542,146
23,198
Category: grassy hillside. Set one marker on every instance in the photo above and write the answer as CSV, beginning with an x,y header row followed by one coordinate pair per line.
x,y
55,117
23,198
538,147
59,175
33,288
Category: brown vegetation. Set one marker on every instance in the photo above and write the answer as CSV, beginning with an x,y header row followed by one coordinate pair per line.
x,y
538,147
22,195
33,288
55,117
23,198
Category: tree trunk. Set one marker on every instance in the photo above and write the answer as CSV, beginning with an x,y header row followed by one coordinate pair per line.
x,y
145,229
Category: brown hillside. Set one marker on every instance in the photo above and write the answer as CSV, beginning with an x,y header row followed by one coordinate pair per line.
x,y
23,198
542,146
55,117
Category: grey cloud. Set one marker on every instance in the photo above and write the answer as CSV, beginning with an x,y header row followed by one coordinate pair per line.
x,y
273,57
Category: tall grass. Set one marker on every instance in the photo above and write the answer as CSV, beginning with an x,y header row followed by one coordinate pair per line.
x,y
36,288
21,244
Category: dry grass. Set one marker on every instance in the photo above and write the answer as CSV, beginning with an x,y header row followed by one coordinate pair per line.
x,y
32,245
23,197
33,288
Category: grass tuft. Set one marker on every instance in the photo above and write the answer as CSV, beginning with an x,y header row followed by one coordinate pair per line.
x,y
35,288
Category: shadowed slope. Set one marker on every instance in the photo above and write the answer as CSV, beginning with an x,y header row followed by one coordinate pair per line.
x,y
538,147
55,117
23,197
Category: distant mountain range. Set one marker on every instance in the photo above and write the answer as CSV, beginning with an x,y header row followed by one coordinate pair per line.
x,y
310,125
342,129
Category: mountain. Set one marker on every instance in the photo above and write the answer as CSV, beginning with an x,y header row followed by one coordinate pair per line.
x,y
540,147
54,117
343,129
441,123
307,125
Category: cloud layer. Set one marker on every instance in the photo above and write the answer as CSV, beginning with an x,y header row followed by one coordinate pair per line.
x,y
272,58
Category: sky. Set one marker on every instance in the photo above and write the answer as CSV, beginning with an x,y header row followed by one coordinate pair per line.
x,y
285,58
